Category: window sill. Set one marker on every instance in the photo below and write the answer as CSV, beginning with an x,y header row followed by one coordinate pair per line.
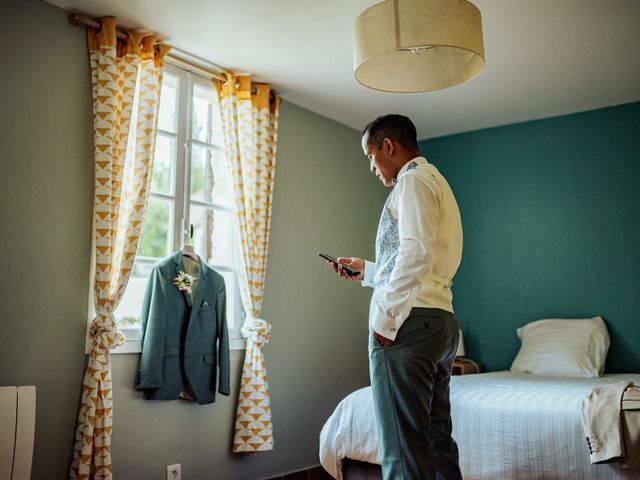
x,y
133,343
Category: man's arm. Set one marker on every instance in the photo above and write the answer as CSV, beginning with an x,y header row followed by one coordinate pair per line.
x,y
369,272
366,268
418,207
353,263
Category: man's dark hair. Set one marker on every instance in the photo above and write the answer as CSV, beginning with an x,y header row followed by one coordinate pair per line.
x,y
395,127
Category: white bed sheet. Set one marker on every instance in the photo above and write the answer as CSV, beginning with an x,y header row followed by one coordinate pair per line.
x,y
507,426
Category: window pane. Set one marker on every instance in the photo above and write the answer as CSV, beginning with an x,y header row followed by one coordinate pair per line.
x,y
216,123
128,312
167,115
163,162
210,181
230,285
199,163
155,233
213,235
202,111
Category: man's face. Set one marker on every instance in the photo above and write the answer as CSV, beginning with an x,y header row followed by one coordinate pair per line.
x,y
380,162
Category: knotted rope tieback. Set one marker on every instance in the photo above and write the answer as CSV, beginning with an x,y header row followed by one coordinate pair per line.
x,y
104,330
257,330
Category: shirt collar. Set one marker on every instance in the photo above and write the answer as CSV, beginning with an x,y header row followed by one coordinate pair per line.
x,y
410,165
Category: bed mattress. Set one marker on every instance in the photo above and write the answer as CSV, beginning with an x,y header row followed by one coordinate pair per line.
x,y
507,425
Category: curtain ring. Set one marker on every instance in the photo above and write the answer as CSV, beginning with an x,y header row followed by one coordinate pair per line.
x,y
227,76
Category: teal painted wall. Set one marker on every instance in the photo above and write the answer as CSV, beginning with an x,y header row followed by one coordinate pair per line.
x,y
551,218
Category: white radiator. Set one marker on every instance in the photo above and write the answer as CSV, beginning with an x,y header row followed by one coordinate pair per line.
x,y
17,428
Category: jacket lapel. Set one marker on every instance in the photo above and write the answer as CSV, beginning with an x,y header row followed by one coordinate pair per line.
x,y
177,258
200,291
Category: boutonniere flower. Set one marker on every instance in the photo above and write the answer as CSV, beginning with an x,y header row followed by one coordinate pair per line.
x,y
184,281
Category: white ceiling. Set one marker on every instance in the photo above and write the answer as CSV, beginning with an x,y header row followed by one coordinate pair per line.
x,y
544,57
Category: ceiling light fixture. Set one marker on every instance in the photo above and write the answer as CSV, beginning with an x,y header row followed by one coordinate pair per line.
x,y
417,45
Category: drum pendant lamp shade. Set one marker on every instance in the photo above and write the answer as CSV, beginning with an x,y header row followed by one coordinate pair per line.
x,y
417,45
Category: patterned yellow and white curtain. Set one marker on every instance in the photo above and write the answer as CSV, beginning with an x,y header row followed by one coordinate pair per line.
x,y
126,80
250,124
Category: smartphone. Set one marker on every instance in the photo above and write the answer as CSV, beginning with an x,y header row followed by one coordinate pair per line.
x,y
349,271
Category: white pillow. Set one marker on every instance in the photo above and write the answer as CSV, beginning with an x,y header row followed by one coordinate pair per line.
x,y
563,347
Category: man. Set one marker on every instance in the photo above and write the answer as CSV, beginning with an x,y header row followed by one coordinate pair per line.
x,y
414,334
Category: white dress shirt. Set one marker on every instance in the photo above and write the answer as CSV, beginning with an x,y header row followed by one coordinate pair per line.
x,y
418,248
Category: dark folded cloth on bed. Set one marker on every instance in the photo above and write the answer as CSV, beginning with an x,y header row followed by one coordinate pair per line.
x,y
358,470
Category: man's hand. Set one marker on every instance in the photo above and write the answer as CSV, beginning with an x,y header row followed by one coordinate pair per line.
x,y
353,263
384,341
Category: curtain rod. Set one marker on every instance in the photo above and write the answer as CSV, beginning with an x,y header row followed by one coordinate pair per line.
x,y
208,69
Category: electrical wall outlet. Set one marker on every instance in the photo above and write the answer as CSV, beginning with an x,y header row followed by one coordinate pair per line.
x,y
174,472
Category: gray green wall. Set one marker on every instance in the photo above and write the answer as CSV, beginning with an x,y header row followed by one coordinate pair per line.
x,y
324,200
551,219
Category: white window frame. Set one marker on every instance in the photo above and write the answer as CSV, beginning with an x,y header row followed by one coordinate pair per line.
x,y
180,212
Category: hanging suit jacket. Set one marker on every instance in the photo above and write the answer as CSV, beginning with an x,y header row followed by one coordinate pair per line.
x,y
184,337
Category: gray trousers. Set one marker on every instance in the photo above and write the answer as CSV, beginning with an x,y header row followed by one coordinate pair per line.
x,y
410,383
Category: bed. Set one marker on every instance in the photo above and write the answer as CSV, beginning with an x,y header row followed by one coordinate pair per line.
x,y
507,425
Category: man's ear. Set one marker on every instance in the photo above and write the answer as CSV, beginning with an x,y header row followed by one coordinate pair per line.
x,y
388,146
